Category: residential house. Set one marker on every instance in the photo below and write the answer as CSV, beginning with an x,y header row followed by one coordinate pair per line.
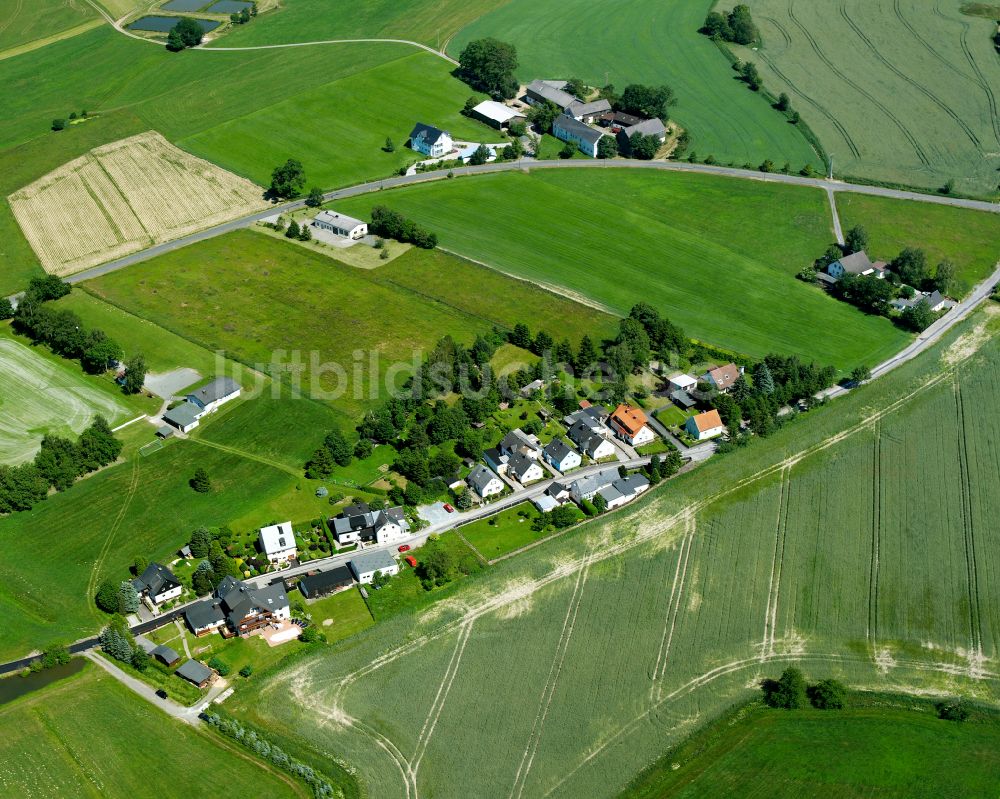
x,y
588,113
647,127
164,654
430,141
205,617
629,423
519,441
524,469
320,584
561,455
722,378
340,225
705,425
277,542
497,460
545,503
591,438
211,396
484,482
567,129
360,524
496,114
624,490
587,487
937,302
366,566
196,672
184,417
857,263
591,413
237,608
539,92
532,387
158,584
681,382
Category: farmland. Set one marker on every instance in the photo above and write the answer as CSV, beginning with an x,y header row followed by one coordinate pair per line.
x,y
898,92
676,242
88,735
124,197
45,395
863,550
653,43
22,23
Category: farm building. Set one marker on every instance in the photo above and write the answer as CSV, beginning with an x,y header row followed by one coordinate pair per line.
x,y
857,263
617,120
184,417
359,524
647,127
195,672
166,655
211,396
496,114
429,140
567,129
484,482
314,586
340,225
539,92
705,425
588,112
366,566
277,542
561,455
158,584
629,423
722,378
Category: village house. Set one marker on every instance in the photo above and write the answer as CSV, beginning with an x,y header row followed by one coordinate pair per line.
x,y
539,92
484,482
617,120
496,114
430,141
519,441
587,487
524,469
238,609
623,490
856,264
366,566
722,378
157,584
591,438
588,113
340,225
360,524
647,127
207,399
555,495
705,425
561,455
567,129
277,542
325,583
935,301
629,423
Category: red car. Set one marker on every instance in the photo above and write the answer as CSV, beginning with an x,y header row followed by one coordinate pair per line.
x,y
404,548
449,508
412,561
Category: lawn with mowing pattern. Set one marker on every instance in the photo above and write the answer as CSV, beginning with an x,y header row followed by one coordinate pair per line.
x,y
503,533
717,256
27,22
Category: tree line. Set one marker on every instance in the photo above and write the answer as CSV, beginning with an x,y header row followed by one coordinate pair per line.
x,y
393,225
735,26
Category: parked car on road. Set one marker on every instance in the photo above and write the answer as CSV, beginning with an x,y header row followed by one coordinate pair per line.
x,y
161,693
404,548
449,508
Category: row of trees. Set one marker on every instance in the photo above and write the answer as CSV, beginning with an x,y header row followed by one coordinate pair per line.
x,y
735,26
57,464
117,641
391,224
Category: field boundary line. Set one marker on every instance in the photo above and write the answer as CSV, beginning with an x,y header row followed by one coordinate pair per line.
x,y
673,607
130,421
873,581
67,755
777,559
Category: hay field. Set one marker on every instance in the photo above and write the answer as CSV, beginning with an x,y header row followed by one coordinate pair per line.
x,y
21,22
38,396
564,672
902,91
124,197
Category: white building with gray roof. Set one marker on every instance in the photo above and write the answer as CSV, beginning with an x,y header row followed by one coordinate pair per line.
x,y
364,567
484,482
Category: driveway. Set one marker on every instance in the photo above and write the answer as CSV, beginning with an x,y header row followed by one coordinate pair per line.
x,y
435,514
168,384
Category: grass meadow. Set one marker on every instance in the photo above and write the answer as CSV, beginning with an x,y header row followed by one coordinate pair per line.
x,y
28,22
898,92
89,736
681,242
604,648
639,41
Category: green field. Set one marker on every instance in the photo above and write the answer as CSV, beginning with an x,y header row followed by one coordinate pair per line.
x,y
856,543
90,736
21,23
231,293
511,530
680,242
639,41
875,750
898,92
970,240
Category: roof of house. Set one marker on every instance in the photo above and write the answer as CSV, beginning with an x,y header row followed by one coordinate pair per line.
x,y
724,376
277,537
379,560
545,503
621,118
647,127
708,420
428,133
204,614
355,510
580,109
218,389
553,93
156,578
238,600
610,493
194,671
519,464
340,220
516,440
629,417
323,581
498,112
595,482
166,654
682,380
933,299
681,397
480,477
577,129
184,414
558,449
856,263
632,484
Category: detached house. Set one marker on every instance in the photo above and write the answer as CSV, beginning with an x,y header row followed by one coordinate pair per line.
x,y
856,264
158,584
565,128
524,469
722,378
624,490
207,399
277,542
238,609
360,524
484,482
430,141
340,225
629,423
587,487
561,455
365,567
705,425
592,439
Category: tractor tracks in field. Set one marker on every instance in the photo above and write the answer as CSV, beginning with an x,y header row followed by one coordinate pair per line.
x,y
673,608
777,562
106,546
822,56
876,536
983,83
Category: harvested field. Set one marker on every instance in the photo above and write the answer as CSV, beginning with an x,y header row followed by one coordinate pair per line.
x,y
124,197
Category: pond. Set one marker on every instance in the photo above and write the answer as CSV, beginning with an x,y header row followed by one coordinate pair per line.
x,y
15,687
157,24
228,7
184,5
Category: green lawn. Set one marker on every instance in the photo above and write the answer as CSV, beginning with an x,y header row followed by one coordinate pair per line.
x,y
509,358
509,530
868,751
90,736
27,22
969,239
160,676
341,615
641,41
680,242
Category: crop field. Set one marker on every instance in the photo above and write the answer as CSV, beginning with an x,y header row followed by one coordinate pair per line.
x,y
124,197
567,670
899,91
647,42
21,23
40,395
337,320
680,242
89,736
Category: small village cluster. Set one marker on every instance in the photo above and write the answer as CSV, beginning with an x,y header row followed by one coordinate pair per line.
x,y
858,264
684,393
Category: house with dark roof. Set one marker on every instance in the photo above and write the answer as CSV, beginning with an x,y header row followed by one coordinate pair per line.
x,y
561,455
239,609
856,264
320,584
359,524
623,490
196,672
519,441
591,438
484,482
567,129
158,584
166,655
212,395
429,140
524,469
539,92
616,120
588,113
184,417
587,487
